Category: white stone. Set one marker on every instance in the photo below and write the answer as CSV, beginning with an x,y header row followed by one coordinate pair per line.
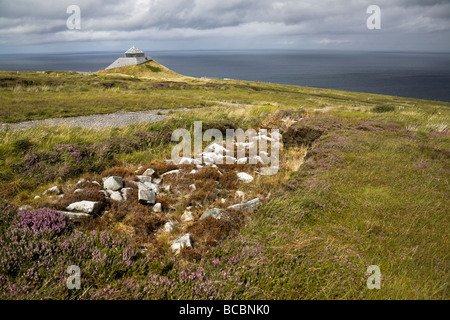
x,y
144,178
151,186
77,190
113,183
255,160
117,196
247,206
167,188
245,177
126,193
185,160
85,207
75,216
170,172
239,194
242,160
193,187
157,180
168,227
193,171
146,196
149,172
52,190
216,148
182,242
214,213
157,207
187,216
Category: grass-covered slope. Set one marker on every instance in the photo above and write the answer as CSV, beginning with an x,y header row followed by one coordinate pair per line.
x,y
150,70
372,190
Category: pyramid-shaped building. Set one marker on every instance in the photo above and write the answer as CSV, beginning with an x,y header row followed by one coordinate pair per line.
x,y
133,56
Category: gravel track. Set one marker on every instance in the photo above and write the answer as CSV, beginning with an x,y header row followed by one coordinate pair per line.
x,y
101,121
97,121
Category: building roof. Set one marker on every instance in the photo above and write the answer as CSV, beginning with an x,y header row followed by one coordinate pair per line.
x,y
133,49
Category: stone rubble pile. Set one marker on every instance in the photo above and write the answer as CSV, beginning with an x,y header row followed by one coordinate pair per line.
x,y
147,187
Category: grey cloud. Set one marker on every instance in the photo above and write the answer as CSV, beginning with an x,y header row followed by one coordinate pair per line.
x,y
285,23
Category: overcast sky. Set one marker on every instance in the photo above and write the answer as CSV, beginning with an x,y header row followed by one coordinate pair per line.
x,y
406,25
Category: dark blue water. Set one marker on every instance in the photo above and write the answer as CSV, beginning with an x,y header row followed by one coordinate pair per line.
x,y
414,75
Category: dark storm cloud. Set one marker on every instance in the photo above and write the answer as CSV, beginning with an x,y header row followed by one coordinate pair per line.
x,y
213,24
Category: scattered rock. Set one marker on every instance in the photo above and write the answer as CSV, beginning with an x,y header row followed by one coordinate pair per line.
x,y
52,190
90,207
239,195
25,207
146,196
126,193
170,172
187,216
138,169
193,187
37,197
245,177
247,206
149,172
157,207
214,213
113,183
167,188
157,180
117,196
185,160
151,186
145,179
242,160
168,227
77,190
76,216
182,242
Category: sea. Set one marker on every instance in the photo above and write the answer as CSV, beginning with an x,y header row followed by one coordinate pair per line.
x,y
405,74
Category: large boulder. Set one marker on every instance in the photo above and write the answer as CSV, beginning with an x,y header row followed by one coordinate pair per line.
x,y
182,242
113,183
90,207
247,206
214,213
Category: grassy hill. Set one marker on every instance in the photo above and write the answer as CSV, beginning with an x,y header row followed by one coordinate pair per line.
x,y
364,180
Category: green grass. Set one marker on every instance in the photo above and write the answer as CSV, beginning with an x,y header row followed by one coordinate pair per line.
x,y
373,189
